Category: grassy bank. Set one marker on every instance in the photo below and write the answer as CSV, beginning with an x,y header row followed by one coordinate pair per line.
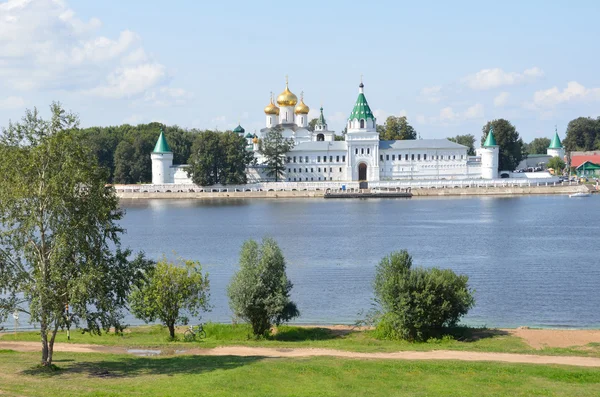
x,y
480,340
115,375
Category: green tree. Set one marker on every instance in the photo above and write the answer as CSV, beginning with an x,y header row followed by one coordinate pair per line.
x,y
59,237
418,303
538,146
124,156
235,159
557,164
206,160
465,140
141,170
219,157
259,292
312,123
339,138
171,289
397,128
273,146
512,148
583,134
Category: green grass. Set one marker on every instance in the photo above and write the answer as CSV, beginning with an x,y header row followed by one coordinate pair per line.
x,y
156,336
116,375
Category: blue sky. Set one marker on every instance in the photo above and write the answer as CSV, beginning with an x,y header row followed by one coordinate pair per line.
x,y
448,66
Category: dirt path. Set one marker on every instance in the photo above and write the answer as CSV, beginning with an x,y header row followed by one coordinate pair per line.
x,y
296,353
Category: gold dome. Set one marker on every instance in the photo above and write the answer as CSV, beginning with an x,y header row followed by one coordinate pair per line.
x,y
255,140
287,98
302,108
271,108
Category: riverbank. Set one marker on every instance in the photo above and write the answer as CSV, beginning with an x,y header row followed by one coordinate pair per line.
x,y
416,192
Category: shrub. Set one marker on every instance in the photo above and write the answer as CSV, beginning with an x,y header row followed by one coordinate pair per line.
x,y
169,290
259,292
417,303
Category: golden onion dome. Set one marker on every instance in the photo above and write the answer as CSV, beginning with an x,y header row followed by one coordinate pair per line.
x,y
287,98
271,108
255,140
302,108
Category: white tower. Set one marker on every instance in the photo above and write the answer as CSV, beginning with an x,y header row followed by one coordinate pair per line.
x,y
556,149
162,160
363,142
286,101
301,112
272,113
490,156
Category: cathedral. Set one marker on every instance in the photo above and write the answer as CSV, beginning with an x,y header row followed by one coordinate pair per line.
x,y
318,157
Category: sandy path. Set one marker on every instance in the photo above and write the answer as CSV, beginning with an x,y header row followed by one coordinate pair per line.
x,y
540,338
296,353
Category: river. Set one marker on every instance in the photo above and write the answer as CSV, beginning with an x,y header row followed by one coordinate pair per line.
x,y
532,260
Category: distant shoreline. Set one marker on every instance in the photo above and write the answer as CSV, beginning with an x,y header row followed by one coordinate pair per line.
x,y
421,192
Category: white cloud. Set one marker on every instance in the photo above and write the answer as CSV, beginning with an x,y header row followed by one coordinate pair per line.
x,y
501,99
166,96
134,119
492,78
127,82
448,114
380,115
44,45
553,96
474,112
421,119
431,94
12,102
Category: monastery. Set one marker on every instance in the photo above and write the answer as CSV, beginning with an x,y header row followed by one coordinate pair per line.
x,y
361,156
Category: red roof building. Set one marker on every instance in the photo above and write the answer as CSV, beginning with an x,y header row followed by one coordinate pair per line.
x,y
578,158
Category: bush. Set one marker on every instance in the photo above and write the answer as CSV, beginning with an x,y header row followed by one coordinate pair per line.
x,y
416,303
259,292
169,290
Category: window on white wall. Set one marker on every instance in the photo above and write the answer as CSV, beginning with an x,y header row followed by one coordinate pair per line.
x,y
362,123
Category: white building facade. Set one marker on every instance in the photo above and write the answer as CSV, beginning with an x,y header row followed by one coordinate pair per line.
x,y
361,156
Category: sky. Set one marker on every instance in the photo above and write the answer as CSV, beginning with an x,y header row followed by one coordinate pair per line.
x,y
449,67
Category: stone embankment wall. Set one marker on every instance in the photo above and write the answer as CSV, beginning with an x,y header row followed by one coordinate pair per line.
x,y
457,191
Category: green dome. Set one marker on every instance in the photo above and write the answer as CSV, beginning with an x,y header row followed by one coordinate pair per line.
x,y
490,140
555,144
239,129
249,136
161,144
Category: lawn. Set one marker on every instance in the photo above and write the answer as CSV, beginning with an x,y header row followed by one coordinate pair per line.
x,y
115,375
156,336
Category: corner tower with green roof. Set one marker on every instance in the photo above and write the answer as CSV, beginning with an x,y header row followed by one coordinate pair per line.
x,y
556,148
162,161
490,156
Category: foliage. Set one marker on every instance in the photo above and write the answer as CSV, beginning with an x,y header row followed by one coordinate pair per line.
x,y
259,292
273,146
397,128
583,134
538,146
312,123
339,137
135,166
218,157
170,289
418,303
59,238
512,148
465,140
557,164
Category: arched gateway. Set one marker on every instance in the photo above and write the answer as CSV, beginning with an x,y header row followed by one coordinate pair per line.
x,y
362,172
